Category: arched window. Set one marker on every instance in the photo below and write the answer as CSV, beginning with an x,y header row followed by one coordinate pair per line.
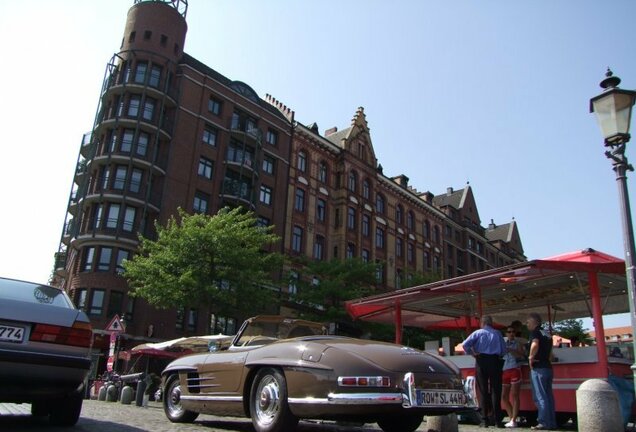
x,y
301,162
399,214
379,204
410,220
322,172
353,180
366,189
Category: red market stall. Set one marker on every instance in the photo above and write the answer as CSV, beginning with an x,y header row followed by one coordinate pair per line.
x,y
573,285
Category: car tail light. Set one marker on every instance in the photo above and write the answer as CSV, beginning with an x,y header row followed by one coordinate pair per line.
x,y
364,381
80,334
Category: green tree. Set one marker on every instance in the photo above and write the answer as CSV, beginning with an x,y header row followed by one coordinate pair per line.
x,y
572,328
201,260
326,285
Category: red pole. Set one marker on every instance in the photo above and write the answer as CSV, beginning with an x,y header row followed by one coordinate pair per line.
x,y
597,316
398,323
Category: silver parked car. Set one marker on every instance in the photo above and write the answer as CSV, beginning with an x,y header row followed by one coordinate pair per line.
x,y
45,347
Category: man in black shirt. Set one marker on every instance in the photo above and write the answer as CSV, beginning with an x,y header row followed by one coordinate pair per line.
x,y
541,373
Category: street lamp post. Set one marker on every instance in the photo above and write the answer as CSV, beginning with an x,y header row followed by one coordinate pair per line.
x,y
613,109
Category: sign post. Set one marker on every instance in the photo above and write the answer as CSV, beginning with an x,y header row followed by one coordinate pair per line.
x,y
115,327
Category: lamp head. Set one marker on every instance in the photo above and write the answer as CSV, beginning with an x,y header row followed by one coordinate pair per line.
x,y
613,109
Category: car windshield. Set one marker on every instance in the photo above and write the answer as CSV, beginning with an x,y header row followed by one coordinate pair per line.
x,y
259,332
33,293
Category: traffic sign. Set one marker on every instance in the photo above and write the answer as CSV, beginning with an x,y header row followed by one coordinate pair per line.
x,y
115,325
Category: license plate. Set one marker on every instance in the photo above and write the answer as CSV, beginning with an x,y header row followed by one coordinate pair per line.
x,y
441,398
11,333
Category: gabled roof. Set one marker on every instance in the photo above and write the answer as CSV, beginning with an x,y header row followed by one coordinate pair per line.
x,y
501,232
337,137
453,199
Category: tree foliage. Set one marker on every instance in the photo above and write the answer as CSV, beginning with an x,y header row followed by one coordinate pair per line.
x,y
326,285
215,261
572,328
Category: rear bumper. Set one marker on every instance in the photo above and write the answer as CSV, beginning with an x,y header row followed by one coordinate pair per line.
x,y
28,377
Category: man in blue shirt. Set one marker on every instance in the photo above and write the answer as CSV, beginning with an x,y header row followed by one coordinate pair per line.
x,y
488,347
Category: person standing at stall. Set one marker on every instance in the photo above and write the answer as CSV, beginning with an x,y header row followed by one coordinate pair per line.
x,y
511,378
541,374
488,347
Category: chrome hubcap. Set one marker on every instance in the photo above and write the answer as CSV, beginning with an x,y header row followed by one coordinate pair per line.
x,y
268,403
174,400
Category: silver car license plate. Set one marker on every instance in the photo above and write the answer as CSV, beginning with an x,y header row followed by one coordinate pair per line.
x,y
10,333
441,398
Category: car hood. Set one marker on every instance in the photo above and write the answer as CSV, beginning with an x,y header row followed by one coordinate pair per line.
x,y
393,357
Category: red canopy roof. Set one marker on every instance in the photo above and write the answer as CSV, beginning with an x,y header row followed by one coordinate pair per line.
x,y
555,285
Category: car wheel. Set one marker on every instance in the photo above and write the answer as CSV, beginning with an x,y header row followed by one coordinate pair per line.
x,y
403,423
65,411
268,403
172,403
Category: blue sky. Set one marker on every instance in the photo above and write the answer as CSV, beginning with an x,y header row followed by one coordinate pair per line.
x,y
490,92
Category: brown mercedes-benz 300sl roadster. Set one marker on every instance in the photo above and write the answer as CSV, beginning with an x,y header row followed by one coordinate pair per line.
x,y
280,370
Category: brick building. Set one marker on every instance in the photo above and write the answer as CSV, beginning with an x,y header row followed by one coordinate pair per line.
x,y
171,132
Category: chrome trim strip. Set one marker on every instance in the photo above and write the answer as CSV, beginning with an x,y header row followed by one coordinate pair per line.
x,y
351,399
213,398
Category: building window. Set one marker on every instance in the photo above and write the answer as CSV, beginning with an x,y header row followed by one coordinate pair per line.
x,y
178,322
120,178
268,164
126,140
155,76
379,272
398,279
140,72
319,247
321,210
427,230
399,247
427,260
351,250
366,189
299,202
301,161
89,256
353,180
129,219
351,218
193,316
147,35
209,135
105,254
262,221
436,263
322,172
271,137
115,303
297,239
135,180
379,204
436,237
205,168
366,225
240,154
379,238
142,144
364,255
97,302
201,201
105,177
292,286
410,252
97,217
113,216
266,195
149,109
449,251
122,254
399,214
133,106
410,220
214,106
80,299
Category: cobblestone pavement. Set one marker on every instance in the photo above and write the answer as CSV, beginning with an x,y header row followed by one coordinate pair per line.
x,y
100,416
